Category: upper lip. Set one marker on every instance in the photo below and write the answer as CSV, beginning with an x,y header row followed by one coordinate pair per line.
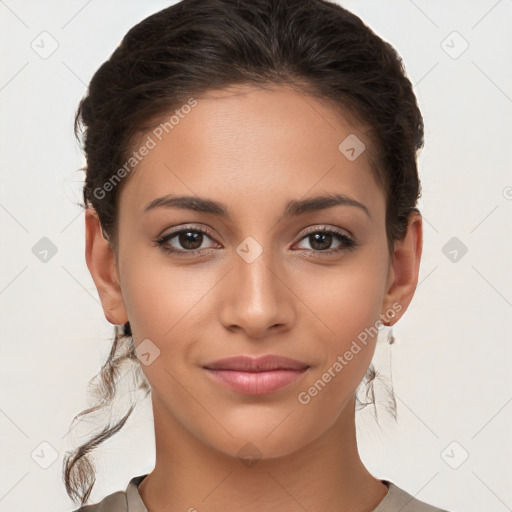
x,y
257,364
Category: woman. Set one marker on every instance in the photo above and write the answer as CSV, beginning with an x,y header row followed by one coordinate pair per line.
x,y
251,223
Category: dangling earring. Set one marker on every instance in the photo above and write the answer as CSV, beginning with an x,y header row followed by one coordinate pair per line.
x,y
391,339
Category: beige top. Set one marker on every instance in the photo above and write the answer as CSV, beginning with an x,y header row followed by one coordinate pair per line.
x,y
396,500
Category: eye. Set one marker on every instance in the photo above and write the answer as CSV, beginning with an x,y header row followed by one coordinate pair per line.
x,y
188,241
321,240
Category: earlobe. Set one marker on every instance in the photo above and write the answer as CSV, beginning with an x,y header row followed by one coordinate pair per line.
x,y
101,263
404,268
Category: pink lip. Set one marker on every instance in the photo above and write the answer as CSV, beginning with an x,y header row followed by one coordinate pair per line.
x,y
256,376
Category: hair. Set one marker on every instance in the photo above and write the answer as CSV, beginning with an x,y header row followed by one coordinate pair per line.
x,y
197,46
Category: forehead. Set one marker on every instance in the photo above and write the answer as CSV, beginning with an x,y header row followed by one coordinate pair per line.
x,y
262,146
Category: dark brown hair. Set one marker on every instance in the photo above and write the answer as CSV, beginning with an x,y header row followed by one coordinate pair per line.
x,y
196,46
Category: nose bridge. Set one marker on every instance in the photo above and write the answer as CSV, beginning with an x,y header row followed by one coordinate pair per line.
x,y
255,274
255,297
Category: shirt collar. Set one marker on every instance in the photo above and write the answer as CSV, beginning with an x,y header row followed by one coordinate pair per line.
x,y
133,500
135,504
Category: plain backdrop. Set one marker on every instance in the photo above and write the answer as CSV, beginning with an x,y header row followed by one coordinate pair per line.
x,y
450,366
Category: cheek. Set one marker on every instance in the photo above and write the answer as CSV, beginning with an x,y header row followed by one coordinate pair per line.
x,y
159,295
347,305
162,303
347,299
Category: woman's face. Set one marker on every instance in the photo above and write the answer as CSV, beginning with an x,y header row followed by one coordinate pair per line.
x,y
263,279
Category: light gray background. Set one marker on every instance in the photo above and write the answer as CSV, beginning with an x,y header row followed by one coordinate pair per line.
x,y
451,363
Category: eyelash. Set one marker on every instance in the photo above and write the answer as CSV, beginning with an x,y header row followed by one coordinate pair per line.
x,y
348,244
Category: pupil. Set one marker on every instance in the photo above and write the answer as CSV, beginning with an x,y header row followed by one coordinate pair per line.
x,y
323,238
189,239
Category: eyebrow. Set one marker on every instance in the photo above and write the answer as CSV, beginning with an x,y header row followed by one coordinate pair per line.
x,y
293,207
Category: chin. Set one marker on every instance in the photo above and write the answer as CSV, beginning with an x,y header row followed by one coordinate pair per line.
x,y
259,442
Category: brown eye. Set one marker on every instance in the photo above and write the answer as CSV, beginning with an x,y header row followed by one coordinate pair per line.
x,y
322,240
190,239
184,242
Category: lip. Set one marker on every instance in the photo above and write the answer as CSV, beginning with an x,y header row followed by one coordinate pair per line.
x,y
257,364
256,376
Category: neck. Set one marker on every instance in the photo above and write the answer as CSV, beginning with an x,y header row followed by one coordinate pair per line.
x,y
189,475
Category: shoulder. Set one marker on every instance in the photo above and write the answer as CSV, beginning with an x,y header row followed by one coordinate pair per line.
x,y
128,500
115,502
398,499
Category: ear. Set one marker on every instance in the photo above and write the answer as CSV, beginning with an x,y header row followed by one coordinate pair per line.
x,y
404,268
101,263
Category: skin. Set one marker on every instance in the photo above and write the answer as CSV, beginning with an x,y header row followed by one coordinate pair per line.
x,y
254,150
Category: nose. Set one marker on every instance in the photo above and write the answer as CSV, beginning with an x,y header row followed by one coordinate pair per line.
x,y
256,297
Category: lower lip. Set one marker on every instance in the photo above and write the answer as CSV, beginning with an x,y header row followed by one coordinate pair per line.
x,y
256,383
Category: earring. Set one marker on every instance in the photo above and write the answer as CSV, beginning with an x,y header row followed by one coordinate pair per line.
x,y
391,339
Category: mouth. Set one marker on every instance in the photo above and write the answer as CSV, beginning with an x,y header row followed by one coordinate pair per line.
x,y
256,376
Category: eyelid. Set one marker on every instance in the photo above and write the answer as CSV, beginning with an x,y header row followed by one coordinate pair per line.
x,y
348,242
191,227
327,227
